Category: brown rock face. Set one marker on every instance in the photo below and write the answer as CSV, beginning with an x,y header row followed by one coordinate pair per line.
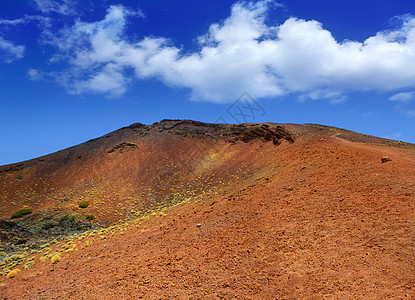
x,y
386,159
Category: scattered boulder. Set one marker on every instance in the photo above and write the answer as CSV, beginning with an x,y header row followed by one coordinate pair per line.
x,y
386,159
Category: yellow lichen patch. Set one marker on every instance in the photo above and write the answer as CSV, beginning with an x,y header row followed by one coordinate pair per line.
x,y
13,273
55,258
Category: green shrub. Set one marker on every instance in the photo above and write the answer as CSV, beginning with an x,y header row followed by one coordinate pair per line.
x,y
21,213
48,225
84,204
67,218
19,177
90,217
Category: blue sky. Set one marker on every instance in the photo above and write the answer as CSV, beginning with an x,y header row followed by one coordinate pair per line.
x,y
74,70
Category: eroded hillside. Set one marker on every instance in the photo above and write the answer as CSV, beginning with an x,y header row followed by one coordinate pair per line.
x,y
184,209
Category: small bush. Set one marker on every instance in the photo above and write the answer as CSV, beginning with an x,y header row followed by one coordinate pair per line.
x,y
84,204
55,258
90,217
48,225
13,273
21,213
19,177
67,218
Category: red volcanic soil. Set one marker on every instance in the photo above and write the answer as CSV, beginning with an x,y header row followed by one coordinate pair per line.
x,y
283,212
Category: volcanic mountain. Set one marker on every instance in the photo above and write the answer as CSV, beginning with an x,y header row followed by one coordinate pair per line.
x,y
189,210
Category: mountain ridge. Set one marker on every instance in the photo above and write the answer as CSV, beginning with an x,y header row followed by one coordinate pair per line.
x,y
302,128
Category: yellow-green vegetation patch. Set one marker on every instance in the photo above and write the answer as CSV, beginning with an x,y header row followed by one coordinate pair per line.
x,y
90,217
55,258
73,242
28,265
16,256
13,273
21,213
67,218
83,204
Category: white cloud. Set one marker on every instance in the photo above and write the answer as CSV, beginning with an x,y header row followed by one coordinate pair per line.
x,y
403,103
242,53
65,7
24,20
96,53
5,22
403,97
109,80
35,75
10,52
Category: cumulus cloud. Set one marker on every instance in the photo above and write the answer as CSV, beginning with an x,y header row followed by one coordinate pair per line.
x,y
96,54
109,80
10,52
241,53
